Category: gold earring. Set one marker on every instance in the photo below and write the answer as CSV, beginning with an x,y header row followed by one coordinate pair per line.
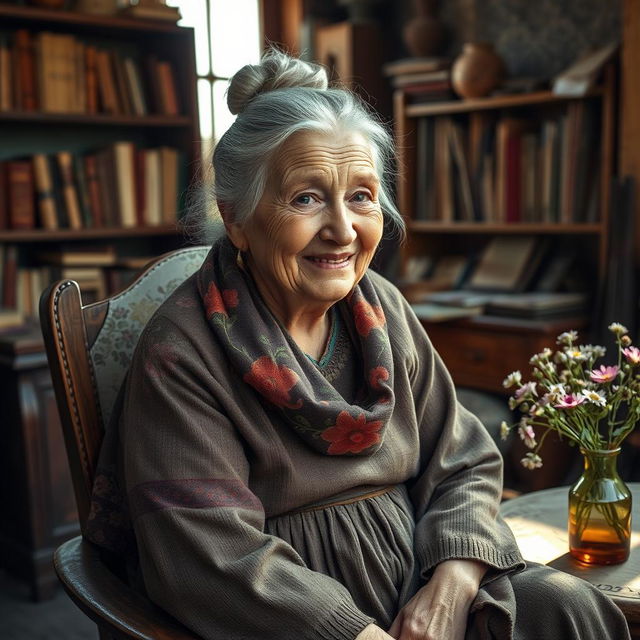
x,y
240,260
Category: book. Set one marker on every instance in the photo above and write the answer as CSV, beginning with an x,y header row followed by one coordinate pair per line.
x,y
26,97
124,158
505,264
169,182
464,200
580,76
10,277
122,89
152,11
82,190
168,91
538,305
441,313
415,65
135,87
4,200
152,213
58,192
10,318
90,162
424,78
6,73
102,255
43,182
69,190
106,174
91,79
108,98
20,192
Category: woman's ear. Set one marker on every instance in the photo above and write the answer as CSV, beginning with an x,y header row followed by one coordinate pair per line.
x,y
234,230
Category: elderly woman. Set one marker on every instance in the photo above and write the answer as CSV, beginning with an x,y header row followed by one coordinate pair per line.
x,y
294,460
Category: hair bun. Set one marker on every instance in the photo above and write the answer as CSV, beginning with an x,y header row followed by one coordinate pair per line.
x,y
276,70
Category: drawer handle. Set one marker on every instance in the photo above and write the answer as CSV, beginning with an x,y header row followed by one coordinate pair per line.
x,y
477,356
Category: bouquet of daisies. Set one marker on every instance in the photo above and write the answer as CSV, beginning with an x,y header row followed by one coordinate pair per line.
x,y
593,406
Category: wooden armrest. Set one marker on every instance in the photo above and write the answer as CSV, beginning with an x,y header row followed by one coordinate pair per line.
x,y
108,601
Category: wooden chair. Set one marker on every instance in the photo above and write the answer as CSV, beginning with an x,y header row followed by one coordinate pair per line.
x,y
89,349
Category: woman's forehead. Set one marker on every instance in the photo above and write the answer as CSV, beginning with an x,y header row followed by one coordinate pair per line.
x,y
309,150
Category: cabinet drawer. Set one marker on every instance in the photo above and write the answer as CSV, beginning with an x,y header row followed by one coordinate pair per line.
x,y
483,358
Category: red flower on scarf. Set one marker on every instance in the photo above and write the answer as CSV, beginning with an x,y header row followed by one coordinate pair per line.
x,y
216,302
273,381
351,435
367,317
376,376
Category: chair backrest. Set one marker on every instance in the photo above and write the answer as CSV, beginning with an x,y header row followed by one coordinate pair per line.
x,y
89,348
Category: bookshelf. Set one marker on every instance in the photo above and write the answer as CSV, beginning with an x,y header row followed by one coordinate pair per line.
x,y
36,486
151,115
575,214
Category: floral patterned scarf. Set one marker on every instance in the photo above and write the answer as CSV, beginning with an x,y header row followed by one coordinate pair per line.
x,y
267,358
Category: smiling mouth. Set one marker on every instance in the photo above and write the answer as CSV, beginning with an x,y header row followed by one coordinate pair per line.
x,y
330,262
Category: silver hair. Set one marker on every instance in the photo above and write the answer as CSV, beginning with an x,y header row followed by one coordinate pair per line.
x,y
275,99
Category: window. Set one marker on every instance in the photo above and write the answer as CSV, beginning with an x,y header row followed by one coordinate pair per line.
x,y
227,36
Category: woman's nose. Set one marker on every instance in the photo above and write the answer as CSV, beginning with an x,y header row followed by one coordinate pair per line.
x,y
338,225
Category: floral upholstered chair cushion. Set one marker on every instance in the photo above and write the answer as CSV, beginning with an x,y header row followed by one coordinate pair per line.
x,y
127,315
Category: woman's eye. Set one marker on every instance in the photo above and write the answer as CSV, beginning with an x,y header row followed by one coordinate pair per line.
x,y
304,199
361,196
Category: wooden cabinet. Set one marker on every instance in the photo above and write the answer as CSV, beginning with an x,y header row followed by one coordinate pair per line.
x,y
50,128
482,350
39,509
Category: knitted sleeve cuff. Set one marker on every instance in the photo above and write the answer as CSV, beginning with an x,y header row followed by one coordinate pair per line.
x,y
469,549
344,623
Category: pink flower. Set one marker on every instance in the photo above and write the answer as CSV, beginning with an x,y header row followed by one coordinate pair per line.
x,y
527,435
569,401
604,374
529,387
632,354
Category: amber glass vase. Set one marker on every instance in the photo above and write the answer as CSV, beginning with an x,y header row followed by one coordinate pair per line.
x,y
600,511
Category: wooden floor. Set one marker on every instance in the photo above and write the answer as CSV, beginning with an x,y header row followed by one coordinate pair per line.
x,y
57,619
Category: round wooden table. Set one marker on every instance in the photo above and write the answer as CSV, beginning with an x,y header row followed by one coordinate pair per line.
x,y
539,522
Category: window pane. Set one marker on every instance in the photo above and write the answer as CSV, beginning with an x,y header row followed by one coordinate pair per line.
x,y
194,14
235,35
204,108
222,117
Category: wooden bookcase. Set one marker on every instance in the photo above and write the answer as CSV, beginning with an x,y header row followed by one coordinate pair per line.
x,y
25,133
480,351
36,485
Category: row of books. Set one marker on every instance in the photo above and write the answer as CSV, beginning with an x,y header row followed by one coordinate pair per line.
x,y
98,271
116,186
508,169
513,276
58,73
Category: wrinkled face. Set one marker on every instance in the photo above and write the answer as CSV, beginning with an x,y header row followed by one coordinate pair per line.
x,y
318,224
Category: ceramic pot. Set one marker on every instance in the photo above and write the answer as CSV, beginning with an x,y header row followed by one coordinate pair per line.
x,y
600,511
423,34
477,70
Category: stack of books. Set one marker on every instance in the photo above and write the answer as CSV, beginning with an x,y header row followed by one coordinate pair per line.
x,y
58,73
423,80
119,185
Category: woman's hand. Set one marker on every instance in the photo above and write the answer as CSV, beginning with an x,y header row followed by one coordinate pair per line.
x,y
439,610
371,632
